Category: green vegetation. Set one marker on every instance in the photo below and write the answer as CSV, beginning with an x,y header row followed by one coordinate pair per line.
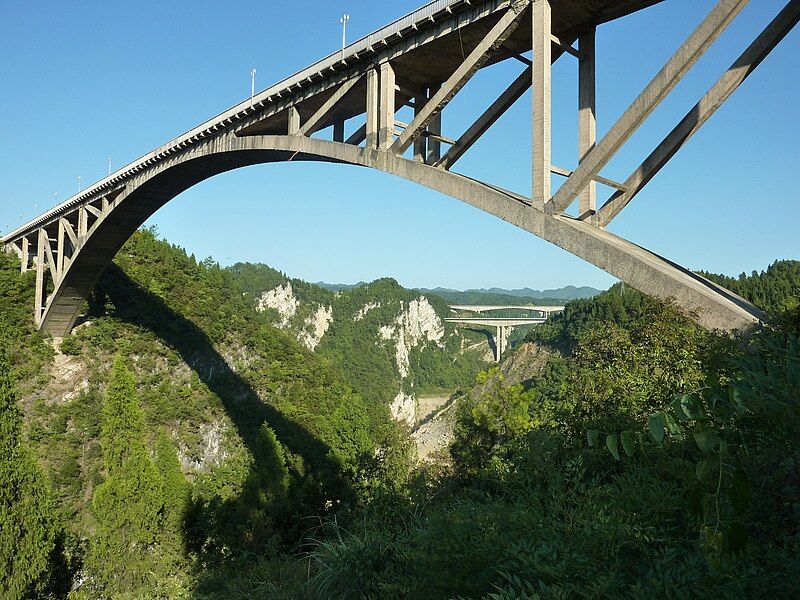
x,y
354,344
654,460
208,442
776,289
179,445
129,504
27,526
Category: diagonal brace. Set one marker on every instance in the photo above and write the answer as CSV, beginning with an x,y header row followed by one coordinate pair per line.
x,y
69,231
667,78
476,59
324,112
490,116
702,111
51,262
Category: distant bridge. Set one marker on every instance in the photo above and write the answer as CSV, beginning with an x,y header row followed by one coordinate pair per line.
x,y
504,325
422,61
481,308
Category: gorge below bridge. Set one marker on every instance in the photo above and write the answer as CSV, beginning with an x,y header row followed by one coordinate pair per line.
x,y
423,60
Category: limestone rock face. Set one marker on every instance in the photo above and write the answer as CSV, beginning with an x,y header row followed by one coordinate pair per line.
x,y
416,324
281,299
315,327
365,309
213,450
404,408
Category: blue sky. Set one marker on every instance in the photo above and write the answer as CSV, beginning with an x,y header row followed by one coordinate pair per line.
x,y
85,81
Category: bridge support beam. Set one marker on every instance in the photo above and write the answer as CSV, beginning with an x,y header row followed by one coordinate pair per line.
x,y
420,144
293,126
371,130
338,130
38,302
541,73
25,258
749,60
434,150
662,84
387,109
587,119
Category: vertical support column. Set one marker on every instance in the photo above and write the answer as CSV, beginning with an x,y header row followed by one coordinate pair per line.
x,y
587,119
338,130
372,109
420,145
40,260
83,223
498,342
104,204
294,121
435,127
541,103
387,107
60,249
26,254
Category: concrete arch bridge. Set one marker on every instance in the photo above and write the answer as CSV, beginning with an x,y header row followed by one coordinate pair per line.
x,y
422,60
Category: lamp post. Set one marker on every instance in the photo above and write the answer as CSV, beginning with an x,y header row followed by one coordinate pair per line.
x,y
79,183
345,18
252,85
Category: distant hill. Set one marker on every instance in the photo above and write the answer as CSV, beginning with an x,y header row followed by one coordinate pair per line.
x,y
389,343
340,287
518,296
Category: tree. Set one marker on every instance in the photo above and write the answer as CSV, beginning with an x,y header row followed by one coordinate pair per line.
x,y
488,425
27,526
176,490
128,505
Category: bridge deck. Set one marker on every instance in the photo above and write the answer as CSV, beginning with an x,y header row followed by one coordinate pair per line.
x,y
478,308
497,321
430,44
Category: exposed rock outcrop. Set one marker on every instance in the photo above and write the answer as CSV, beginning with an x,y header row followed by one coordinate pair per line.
x,y
416,323
213,449
365,309
404,408
281,299
315,327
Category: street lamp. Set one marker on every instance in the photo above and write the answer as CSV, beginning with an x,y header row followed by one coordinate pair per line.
x,y
345,18
109,165
252,85
79,184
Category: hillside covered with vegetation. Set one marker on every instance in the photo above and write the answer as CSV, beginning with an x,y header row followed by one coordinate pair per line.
x,y
180,445
383,338
173,435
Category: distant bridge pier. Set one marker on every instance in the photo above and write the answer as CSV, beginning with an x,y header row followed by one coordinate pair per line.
x,y
501,341
502,327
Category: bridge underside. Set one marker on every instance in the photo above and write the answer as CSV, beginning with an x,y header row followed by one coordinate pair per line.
x,y
423,61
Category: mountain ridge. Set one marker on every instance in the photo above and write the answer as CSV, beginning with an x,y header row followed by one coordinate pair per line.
x,y
493,295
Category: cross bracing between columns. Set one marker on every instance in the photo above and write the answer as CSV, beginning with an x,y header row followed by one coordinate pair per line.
x,y
667,78
749,60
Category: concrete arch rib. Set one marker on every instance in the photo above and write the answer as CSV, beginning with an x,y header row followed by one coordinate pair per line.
x,y
713,307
